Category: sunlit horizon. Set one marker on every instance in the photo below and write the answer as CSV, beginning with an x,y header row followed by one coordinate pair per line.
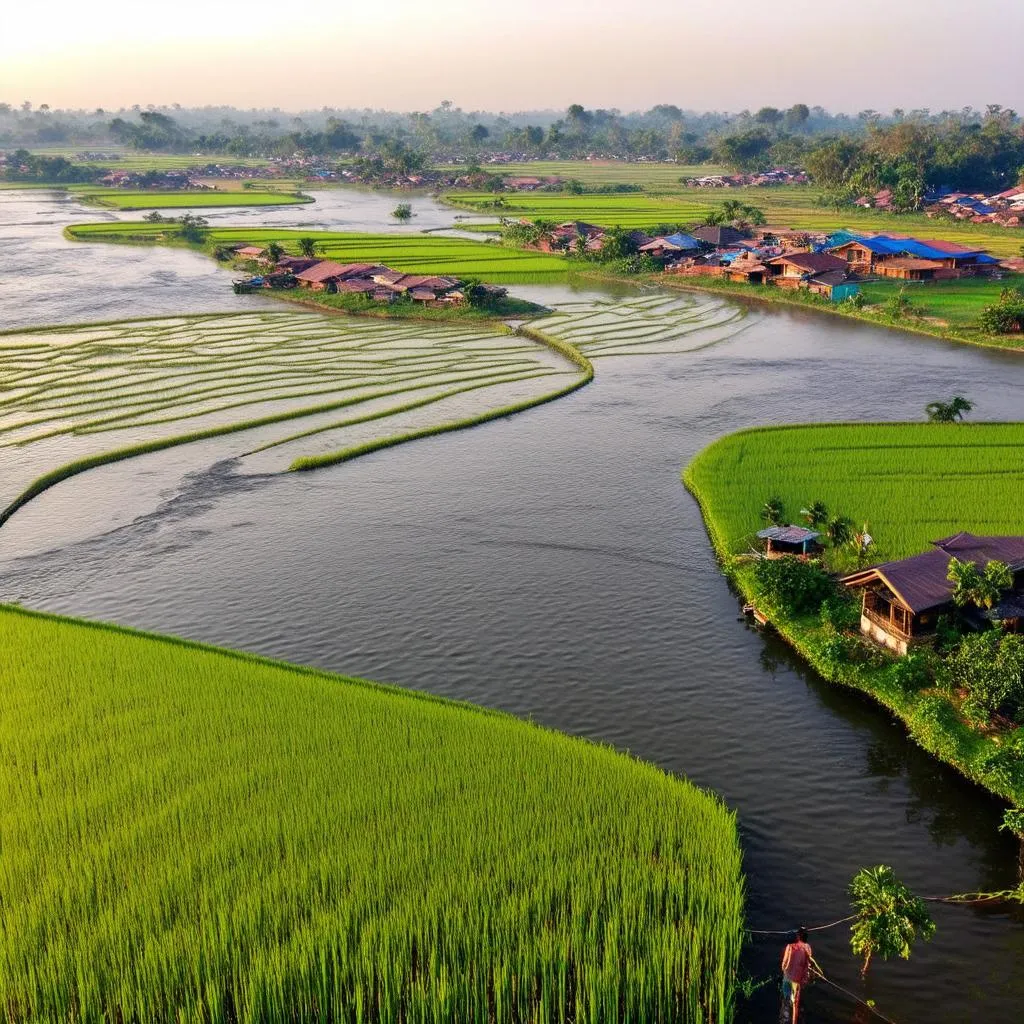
x,y
539,55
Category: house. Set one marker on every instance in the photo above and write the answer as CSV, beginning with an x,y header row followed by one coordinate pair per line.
x,y
834,285
296,264
719,236
250,252
791,269
789,540
747,268
671,246
886,256
902,600
322,276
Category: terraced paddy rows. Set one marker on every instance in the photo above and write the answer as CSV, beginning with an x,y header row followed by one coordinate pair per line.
x,y
294,384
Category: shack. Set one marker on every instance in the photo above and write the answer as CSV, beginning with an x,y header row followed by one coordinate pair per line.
x,y
902,600
789,540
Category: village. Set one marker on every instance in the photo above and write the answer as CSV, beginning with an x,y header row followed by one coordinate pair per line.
x,y
830,265
374,282
1005,208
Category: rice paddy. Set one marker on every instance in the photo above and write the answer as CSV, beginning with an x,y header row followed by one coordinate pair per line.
x,y
120,199
422,253
293,385
910,482
195,835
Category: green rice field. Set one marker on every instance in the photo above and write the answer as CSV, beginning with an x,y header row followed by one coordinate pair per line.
x,y
202,836
956,303
293,386
413,253
120,199
910,482
784,206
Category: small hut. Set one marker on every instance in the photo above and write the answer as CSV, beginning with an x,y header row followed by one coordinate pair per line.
x,y
789,540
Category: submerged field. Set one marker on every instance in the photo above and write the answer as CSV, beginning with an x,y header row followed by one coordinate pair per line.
x,y
420,253
196,835
294,386
119,199
910,482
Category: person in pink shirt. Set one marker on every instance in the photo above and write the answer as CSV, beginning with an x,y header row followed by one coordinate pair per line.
x,y
796,970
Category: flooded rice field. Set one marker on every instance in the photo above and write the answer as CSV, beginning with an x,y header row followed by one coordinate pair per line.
x,y
551,564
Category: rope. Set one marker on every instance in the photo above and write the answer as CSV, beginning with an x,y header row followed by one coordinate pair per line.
x,y
857,999
816,928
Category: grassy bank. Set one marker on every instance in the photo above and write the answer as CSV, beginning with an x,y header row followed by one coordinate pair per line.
x,y
949,312
412,253
121,199
911,483
195,834
792,206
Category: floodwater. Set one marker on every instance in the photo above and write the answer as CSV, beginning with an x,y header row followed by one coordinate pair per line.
x,y
552,565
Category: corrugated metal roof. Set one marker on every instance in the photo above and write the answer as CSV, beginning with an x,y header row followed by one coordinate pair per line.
x,y
787,534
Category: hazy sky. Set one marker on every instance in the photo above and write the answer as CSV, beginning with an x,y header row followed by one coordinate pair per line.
x,y
485,54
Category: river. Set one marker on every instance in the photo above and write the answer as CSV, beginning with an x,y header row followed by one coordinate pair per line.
x,y
552,565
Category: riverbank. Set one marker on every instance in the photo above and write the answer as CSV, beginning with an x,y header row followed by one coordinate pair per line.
x,y
884,474
255,800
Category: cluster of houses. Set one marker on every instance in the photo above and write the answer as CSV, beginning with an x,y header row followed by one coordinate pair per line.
x,y
1004,208
192,179
833,266
776,176
902,601
375,281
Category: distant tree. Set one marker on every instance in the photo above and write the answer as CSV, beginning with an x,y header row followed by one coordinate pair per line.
x,y
797,115
308,246
948,412
769,116
773,511
192,228
478,133
402,212
890,918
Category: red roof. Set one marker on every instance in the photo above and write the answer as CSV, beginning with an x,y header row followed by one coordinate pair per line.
x,y
811,262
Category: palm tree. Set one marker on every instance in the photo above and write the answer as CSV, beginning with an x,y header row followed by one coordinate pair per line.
x,y
980,587
838,530
273,252
889,916
948,412
309,246
773,511
816,514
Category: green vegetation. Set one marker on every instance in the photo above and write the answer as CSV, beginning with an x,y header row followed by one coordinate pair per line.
x,y
118,199
404,308
194,834
76,398
783,206
423,253
910,484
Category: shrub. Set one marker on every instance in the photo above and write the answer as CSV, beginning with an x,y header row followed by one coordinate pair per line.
x,y
990,667
839,612
913,673
933,713
794,585
1004,767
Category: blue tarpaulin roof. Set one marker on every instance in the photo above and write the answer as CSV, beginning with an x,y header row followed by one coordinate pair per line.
x,y
885,245
683,241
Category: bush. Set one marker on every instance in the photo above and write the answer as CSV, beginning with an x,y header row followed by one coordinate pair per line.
x,y
913,673
933,714
794,585
840,612
1004,767
990,667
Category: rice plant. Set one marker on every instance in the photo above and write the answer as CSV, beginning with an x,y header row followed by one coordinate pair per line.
x,y
196,835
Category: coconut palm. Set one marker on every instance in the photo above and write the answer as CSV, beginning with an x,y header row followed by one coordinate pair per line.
x,y
948,412
816,514
839,530
980,587
773,511
889,916
309,246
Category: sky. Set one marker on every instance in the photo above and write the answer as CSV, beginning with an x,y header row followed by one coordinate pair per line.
x,y
530,54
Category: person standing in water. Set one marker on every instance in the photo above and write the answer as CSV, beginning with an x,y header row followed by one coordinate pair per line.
x,y
796,970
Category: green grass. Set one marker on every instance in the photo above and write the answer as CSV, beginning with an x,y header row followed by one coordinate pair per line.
x,y
118,199
957,303
198,835
420,253
793,206
911,482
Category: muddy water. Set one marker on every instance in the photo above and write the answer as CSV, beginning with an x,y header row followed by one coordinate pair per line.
x,y
553,566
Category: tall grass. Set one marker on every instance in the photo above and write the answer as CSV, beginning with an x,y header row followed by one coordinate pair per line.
x,y
201,836
911,482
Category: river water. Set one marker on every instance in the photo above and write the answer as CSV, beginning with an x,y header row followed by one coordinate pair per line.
x,y
552,565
